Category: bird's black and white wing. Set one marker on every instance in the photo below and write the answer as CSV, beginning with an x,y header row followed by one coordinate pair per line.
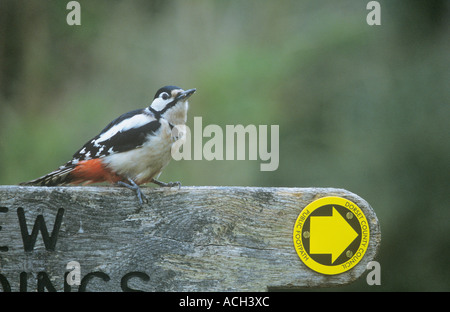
x,y
127,132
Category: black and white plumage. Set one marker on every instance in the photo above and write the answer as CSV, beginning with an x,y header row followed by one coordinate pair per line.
x,y
131,150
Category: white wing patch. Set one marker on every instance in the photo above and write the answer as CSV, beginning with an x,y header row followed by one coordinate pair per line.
x,y
133,122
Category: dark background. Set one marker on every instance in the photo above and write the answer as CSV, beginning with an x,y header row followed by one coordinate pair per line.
x,y
365,108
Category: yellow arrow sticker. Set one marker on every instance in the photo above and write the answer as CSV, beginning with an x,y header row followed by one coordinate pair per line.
x,y
331,235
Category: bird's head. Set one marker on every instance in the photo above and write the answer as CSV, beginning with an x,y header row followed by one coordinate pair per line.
x,y
172,103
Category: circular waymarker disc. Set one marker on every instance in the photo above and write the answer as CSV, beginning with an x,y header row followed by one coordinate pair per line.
x,y
331,235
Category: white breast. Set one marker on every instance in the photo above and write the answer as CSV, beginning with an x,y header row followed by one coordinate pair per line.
x,y
146,162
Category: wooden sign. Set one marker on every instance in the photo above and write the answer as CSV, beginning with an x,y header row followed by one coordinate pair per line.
x,y
188,239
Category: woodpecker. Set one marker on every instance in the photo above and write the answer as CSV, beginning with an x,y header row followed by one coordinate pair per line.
x,y
131,150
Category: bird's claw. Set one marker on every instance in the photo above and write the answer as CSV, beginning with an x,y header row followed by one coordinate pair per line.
x,y
168,184
133,186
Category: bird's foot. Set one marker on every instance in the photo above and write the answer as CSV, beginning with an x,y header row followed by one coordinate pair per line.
x,y
168,184
133,186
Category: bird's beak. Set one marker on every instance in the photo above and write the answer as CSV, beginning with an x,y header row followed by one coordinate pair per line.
x,y
184,95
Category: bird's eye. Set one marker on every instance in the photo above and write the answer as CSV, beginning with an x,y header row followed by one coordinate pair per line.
x,y
164,95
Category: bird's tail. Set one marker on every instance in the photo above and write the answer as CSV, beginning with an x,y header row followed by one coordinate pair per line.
x,y
60,176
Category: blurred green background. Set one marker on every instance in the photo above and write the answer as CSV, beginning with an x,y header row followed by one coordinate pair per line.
x,y
365,108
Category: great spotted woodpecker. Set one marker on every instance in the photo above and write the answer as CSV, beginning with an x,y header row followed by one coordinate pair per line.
x,y
131,150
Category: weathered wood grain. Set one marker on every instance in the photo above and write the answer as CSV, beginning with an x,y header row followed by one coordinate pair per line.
x,y
188,239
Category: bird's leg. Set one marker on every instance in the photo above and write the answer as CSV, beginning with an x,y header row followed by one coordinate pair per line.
x,y
133,186
168,184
